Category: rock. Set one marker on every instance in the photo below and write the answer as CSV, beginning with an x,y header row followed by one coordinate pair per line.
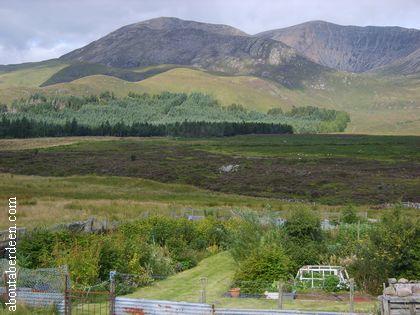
x,y
390,291
392,280
416,289
229,168
403,280
404,292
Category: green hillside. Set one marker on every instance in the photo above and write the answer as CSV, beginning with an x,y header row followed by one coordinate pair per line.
x,y
32,75
377,105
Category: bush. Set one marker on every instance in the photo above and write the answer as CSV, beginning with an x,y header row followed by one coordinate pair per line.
x,y
263,266
331,283
349,215
392,250
303,225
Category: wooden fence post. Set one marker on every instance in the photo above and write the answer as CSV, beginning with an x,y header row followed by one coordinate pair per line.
x,y
280,298
203,292
112,292
67,296
385,305
351,297
6,287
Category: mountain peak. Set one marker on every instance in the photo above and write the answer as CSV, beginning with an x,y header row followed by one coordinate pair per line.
x,y
173,23
207,46
348,48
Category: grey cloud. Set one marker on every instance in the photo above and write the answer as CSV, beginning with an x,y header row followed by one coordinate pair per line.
x,y
32,30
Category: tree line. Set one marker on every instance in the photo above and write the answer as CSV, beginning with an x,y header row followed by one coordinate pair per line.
x,y
165,109
25,128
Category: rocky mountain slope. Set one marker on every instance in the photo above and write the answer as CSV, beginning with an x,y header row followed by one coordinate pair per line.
x,y
350,48
406,65
212,47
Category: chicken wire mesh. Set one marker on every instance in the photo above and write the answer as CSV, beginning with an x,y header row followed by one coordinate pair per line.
x,y
40,280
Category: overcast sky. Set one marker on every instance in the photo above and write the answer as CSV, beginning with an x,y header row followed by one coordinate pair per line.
x,y
34,30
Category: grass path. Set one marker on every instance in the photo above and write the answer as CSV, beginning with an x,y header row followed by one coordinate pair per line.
x,y
219,270
185,286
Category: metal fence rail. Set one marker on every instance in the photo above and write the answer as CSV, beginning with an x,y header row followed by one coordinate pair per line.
x,y
228,311
45,300
125,306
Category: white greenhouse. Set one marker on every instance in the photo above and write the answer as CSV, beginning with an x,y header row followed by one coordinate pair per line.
x,y
316,274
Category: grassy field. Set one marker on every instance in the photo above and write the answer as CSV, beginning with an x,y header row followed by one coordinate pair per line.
x,y
328,169
51,200
24,144
377,105
219,270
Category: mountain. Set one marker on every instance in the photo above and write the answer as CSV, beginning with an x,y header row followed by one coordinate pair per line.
x,y
217,48
169,54
406,65
349,48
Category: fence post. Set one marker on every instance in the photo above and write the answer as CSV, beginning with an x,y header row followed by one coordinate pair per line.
x,y
112,292
6,287
280,299
67,297
386,306
203,282
351,296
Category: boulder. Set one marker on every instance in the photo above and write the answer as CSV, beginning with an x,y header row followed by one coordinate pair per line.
x,y
402,292
392,280
416,289
229,168
390,291
403,280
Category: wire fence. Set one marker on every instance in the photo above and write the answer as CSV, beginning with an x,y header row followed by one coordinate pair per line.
x,y
35,288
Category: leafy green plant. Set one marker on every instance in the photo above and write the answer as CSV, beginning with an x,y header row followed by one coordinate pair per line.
x,y
263,266
349,215
331,283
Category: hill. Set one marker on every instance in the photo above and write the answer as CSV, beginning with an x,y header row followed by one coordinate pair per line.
x,y
349,48
207,46
76,71
376,104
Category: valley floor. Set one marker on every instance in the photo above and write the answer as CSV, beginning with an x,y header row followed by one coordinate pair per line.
x,y
68,179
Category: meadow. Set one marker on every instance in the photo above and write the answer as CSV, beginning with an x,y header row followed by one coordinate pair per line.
x,y
326,169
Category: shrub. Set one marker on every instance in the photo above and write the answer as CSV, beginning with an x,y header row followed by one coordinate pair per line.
x,y
331,283
349,215
82,260
263,266
391,251
303,225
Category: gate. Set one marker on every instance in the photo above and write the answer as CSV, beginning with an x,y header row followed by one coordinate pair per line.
x,y
88,303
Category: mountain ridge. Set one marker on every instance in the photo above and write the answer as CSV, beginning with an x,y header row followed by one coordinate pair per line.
x,y
348,48
208,46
